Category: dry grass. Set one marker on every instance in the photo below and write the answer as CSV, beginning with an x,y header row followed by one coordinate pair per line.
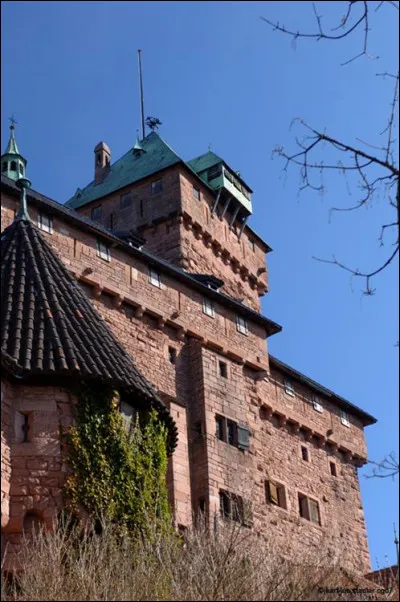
x,y
235,565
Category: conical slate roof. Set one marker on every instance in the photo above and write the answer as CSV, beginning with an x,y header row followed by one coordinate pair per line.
x,y
49,326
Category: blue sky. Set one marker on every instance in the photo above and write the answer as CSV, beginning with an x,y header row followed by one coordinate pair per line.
x,y
215,74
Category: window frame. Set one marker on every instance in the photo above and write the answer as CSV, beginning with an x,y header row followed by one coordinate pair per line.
x,y
288,385
42,225
275,494
305,508
154,277
196,193
344,419
242,325
317,404
222,369
208,307
103,250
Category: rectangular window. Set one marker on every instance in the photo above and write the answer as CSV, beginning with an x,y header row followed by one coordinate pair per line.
x,y
156,186
208,307
22,427
317,405
332,467
172,355
95,213
223,369
220,428
129,415
309,509
154,278
304,453
196,193
103,250
232,433
275,493
125,200
289,388
344,418
241,325
234,507
45,222
252,244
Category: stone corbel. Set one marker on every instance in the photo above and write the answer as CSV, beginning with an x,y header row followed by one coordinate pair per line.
x,y
139,311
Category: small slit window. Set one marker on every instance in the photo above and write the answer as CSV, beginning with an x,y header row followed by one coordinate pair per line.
x,y
208,307
156,186
289,388
252,244
172,355
304,453
45,222
196,193
241,325
21,169
332,468
154,277
223,369
103,250
96,213
22,427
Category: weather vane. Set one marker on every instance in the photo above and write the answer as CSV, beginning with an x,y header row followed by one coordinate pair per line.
x,y
13,121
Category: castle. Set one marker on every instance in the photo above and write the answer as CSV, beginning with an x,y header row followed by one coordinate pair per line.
x,y
150,278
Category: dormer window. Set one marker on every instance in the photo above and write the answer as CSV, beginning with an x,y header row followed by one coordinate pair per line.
x,y
13,166
45,222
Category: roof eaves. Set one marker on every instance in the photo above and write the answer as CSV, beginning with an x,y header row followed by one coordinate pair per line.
x,y
72,216
366,418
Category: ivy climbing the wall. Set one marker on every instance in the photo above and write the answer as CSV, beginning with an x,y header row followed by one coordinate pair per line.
x,y
117,473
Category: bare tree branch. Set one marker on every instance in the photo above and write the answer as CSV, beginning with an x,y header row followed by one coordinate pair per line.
x,y
388,467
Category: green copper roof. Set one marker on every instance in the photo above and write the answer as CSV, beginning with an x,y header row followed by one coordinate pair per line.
x,y
204,162
129,169
12,148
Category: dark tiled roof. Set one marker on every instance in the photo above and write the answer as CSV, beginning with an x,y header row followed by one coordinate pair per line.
x,y
365,418
50,328
129,169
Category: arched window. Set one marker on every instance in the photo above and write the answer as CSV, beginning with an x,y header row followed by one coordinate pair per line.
x,y
13,166
21,169
4,166
98,158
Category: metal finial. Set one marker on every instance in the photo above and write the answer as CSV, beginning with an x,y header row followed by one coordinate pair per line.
x,y
13,122
23,184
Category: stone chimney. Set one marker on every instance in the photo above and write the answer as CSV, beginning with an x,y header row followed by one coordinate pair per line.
x,y
102,158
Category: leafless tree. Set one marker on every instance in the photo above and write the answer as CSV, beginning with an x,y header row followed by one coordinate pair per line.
x,y
376,166
388,467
